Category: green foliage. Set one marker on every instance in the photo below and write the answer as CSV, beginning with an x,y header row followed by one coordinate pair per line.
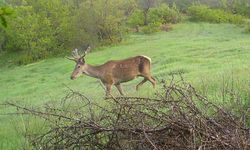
x,y
164,14
243,8
151,28
31,35
43,28
206,14
102,21
155,17
109,21
5,11
161,15
136,19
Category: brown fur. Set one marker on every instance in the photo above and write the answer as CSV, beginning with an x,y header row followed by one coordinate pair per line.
x,y
115,72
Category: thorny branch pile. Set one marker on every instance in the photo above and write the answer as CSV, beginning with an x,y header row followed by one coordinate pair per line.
x,y
177,119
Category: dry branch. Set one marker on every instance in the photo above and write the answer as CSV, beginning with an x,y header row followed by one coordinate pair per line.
x,y
178,119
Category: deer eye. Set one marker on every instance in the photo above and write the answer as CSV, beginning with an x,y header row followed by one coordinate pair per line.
x,y
78,66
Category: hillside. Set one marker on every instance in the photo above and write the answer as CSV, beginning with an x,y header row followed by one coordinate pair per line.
x,y
207,55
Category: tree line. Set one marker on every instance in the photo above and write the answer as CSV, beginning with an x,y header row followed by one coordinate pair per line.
x,y
37,29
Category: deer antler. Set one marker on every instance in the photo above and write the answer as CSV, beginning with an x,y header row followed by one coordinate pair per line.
x,y
87,50
76,56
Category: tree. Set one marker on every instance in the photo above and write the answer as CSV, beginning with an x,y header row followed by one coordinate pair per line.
x,y
41,28
145,5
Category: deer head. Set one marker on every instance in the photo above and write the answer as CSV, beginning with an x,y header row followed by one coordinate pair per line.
x,y
80,62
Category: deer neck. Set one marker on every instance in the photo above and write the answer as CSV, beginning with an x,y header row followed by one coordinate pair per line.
x,y
93,71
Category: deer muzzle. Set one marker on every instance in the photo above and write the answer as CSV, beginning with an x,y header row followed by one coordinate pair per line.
x,y
72,78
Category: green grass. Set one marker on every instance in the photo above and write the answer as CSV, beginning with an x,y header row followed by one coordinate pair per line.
x,y
208,55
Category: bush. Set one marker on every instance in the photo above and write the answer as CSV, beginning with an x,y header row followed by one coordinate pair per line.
x,y
156,17
243,8
136,19
170,15
164,14
206,14
177,118
151,28
29,57
42,28
30,35
110,31
5,11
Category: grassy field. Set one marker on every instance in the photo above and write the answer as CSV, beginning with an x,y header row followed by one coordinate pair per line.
x,y
208,55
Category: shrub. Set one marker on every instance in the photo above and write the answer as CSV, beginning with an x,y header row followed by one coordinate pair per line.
x,y
151,28
156,17
170,15
177,118
30,35
29,57
5,11
206,14
164,14
242,8
136,19
236,19
42,28
110,31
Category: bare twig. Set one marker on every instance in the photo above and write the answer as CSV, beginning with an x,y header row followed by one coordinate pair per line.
x,y
178,118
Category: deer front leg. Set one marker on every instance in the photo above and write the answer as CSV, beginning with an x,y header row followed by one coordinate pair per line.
x,y
118,86
108,82
108,90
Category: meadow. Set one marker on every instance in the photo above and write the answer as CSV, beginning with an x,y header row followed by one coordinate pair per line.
x,y
210,56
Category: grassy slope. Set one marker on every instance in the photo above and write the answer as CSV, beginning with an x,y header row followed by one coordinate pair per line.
x,y
207,54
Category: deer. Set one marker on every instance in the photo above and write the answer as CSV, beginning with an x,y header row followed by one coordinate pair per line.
x,y
113,72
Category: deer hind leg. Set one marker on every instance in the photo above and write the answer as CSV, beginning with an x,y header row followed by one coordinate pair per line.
x,y
152,80
141,83
118,86
147,78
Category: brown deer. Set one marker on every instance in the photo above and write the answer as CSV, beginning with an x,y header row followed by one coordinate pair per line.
x,y
114,72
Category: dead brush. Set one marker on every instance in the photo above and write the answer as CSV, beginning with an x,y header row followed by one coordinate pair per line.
x,y
178,118
166,27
